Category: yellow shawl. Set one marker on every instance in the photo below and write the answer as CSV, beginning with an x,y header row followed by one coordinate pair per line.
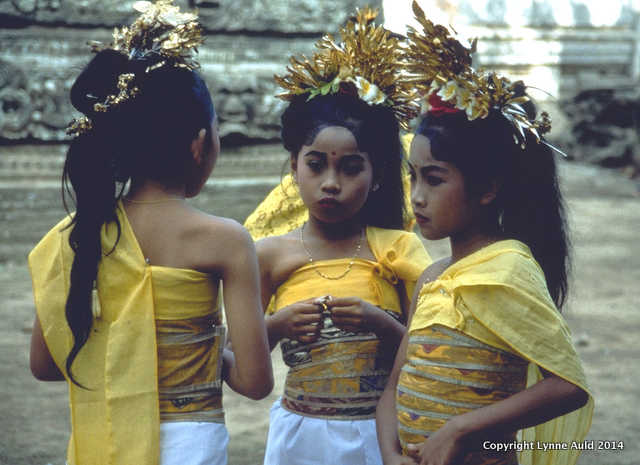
x,y
499,296
116,420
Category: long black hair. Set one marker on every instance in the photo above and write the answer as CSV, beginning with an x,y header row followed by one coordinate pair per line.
x,y
529,206
145,137
376,131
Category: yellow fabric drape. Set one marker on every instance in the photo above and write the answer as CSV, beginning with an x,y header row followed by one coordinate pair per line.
x,y
283,211
498,295
116,420
400,256
341,376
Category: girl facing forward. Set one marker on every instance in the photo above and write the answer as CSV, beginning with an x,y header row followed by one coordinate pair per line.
x,y
339,283
487,353
127,288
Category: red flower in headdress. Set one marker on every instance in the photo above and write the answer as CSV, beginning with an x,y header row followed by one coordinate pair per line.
x,y
439,106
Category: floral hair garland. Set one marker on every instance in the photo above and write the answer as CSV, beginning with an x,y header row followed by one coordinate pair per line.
x,y
160,30
367,64
440,68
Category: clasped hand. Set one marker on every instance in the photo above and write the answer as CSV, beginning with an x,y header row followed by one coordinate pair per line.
x,y
303,320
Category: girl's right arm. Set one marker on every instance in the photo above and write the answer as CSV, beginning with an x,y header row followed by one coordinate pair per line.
x,y
300,321
248,369
386,413
42,365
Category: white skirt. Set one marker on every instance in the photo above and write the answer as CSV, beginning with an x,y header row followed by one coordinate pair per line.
x,y
193,443
298,440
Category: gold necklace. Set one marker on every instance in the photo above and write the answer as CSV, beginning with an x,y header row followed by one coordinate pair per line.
x,y
351,262
150,202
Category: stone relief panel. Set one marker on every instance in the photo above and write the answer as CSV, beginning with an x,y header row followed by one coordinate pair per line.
x,y
65,12
38,69
285,16
272,16
42,49
245,105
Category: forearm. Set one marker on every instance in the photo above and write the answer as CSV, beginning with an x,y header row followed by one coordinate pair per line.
x,y
274,330
389,330
43,367
387,425
542,402
234,380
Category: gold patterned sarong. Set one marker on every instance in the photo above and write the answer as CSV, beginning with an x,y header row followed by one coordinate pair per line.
x,y
449,373
480,333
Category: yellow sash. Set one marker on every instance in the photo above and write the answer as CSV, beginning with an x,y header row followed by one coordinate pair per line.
x,y
498,295
400,256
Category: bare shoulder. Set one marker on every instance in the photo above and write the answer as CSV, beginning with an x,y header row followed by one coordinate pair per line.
x,y
279,256
274,246
214,241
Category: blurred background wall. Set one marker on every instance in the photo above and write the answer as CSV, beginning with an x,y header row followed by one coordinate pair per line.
x,y
561,46
43,47
585,53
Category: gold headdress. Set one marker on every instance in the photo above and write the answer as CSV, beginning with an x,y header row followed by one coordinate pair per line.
x,y
440,67
367,63
160,30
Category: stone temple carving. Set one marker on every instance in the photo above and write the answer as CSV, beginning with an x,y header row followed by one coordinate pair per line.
x,y
42,49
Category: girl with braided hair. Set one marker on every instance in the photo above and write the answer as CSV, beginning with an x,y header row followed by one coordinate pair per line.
x,y
128,288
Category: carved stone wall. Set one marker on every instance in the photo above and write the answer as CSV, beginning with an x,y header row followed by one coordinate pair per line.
x,y
42,49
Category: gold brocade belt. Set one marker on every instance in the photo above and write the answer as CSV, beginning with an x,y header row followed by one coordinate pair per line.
x,y
448,373
189,369
341,376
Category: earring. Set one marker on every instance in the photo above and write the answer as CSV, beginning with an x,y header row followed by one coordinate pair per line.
x,y
375,187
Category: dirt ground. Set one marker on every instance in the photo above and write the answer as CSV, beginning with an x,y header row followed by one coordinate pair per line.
x,y
603,314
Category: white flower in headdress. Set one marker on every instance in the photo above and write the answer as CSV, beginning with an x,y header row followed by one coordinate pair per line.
x,y
172,17
368,92
142,7
464,98
164,12
449,91
148,10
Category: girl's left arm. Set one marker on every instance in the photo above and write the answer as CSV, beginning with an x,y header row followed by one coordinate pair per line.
x,y
42,365
545,400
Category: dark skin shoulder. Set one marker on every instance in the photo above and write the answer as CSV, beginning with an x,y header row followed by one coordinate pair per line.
x,y
278,256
